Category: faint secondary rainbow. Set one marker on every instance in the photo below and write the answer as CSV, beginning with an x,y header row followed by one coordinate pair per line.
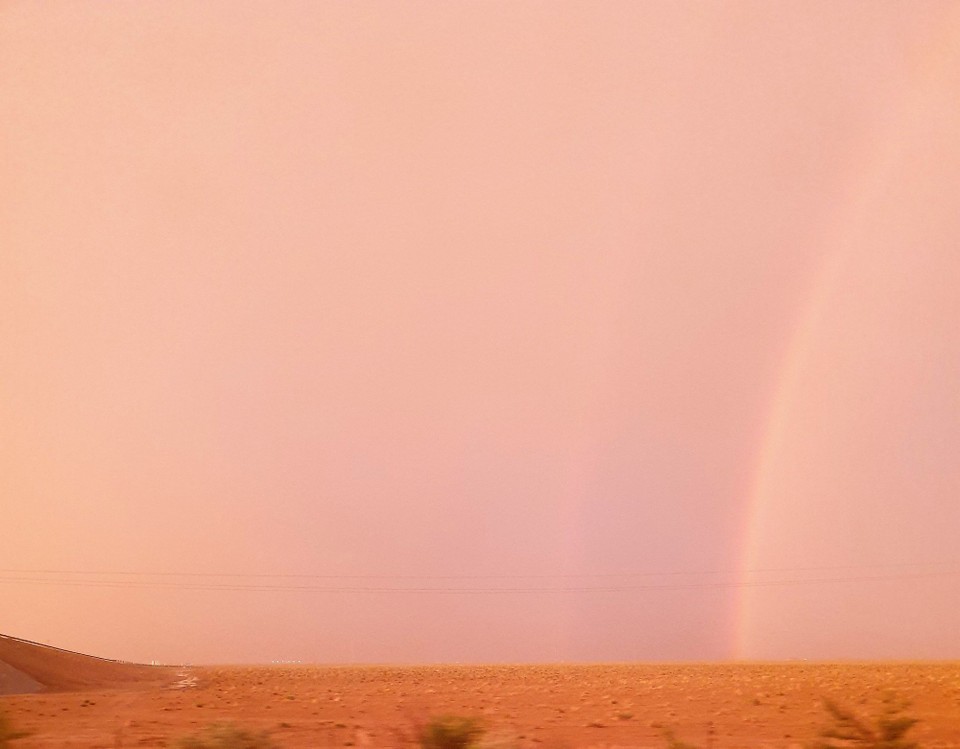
x,y
864,187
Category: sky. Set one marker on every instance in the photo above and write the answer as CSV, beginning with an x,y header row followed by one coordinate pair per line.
x,y
480,331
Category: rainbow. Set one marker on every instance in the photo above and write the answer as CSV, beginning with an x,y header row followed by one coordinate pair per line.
x,y
870,176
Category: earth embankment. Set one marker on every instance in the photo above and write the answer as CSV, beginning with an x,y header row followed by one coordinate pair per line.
x,y
27,667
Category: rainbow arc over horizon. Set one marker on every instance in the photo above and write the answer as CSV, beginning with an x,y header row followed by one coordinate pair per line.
x,y
872,176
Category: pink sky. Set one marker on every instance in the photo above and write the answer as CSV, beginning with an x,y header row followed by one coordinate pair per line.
x,y
474,296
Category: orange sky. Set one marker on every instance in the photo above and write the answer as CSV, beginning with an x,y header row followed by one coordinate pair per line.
x,y
474,296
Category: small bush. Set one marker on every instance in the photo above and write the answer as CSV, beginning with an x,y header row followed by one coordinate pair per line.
x,y
228,736
849,730
8,733
451,732
674,743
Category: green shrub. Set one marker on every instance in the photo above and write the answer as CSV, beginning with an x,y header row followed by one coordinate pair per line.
x,y
227,736
849,730
451,732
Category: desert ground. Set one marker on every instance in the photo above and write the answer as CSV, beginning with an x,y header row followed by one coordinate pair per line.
x,y
73,701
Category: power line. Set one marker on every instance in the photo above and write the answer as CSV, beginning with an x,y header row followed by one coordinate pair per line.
x,y
511,576
276,588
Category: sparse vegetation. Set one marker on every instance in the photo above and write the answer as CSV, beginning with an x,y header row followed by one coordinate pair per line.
x,y
451,732
8,733
850,730
674,743
228,736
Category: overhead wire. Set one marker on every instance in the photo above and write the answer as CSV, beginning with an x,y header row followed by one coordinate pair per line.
x,y
487,576
208,582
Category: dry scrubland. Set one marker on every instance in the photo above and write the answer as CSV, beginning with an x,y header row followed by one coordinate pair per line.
x,y
563,706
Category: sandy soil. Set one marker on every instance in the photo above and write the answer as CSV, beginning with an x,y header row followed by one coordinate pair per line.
x,y
563,706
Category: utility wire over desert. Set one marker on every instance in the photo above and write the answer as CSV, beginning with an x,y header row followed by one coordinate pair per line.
x,y
480,375
480,584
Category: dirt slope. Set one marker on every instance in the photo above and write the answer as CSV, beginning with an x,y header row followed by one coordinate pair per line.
x,y
27,667
13,681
